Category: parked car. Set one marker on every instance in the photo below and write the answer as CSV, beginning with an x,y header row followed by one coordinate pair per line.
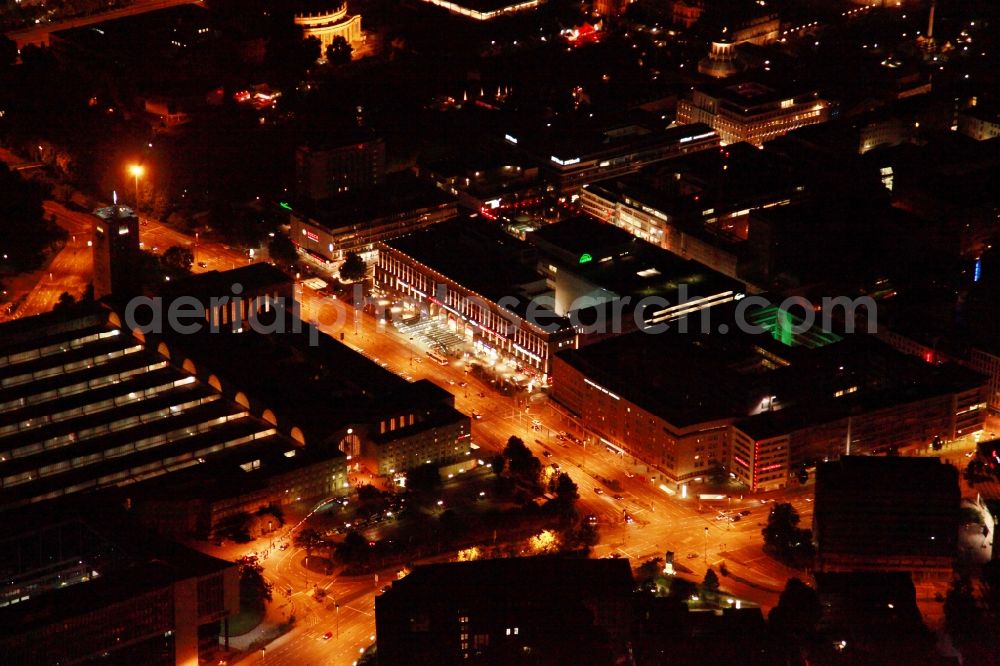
x,y
328,635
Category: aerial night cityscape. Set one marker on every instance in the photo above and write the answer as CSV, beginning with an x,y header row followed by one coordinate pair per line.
x,y
502,332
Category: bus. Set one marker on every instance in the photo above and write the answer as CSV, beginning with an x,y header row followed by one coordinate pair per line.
x,y
437,358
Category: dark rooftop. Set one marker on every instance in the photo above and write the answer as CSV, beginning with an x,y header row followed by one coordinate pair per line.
x,y
517,577
475,253
401,193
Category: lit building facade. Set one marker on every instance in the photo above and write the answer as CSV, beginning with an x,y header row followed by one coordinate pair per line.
x,y
443,269
750,111
328,25
767,407
486,10
646,221
615,151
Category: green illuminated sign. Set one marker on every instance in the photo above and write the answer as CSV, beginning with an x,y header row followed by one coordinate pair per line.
x,y
585,258
285,205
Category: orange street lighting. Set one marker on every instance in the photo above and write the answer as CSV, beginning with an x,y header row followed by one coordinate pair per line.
x,y
137,170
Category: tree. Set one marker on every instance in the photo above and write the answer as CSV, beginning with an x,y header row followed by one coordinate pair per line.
x,y
254,589
339,51
781,526
499,464
582,537
354,268
524,467
962,617
8,51
566,491
27,233
424,479
312,49
798,611
784,539
710,586
369,493
65,302
309,539
283,250
176,262
353,549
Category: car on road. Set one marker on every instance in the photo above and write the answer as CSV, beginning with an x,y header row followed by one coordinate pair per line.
x,y
630,475
721,516
619,497
283,546
629,519
463,383
735,519
202,264
592,519
328,635
598,491
547,454
476,414
692,556
745,512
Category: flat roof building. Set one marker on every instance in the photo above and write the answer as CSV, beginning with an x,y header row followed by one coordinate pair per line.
x,y
764,406
608,281
77,589
573,157
483,284
751,111
354,221
493,611
887,514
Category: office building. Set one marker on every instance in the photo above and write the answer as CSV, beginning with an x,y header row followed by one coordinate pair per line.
x,y
608,281
482,284
699,206
553,610
608,148
764,406
344,164
751,111
887,514
81,589
981,123
354,221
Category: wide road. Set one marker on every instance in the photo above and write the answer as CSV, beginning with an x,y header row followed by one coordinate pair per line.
x,y
39,34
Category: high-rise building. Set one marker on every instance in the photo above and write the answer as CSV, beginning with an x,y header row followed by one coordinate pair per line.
x,y
343,165
116,251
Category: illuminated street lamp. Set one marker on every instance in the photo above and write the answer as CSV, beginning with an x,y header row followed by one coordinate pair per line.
x,y
136,170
